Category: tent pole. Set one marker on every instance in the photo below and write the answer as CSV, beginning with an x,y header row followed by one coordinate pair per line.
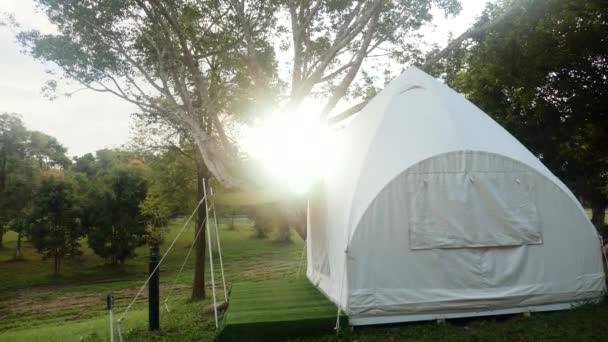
x,y
210,254
219,249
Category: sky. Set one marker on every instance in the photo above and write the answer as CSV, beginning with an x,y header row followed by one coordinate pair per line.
x,y
87,120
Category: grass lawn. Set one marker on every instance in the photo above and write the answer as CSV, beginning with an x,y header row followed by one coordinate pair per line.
x,y
277,309
35,306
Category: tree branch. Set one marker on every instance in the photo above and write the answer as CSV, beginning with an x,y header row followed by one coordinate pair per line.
x,y
474,31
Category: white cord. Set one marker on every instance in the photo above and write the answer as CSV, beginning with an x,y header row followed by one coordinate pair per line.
x,y
183,264
219,250
121,318
210,258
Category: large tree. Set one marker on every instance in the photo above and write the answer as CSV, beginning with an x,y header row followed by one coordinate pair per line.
x,y
162,56
543,75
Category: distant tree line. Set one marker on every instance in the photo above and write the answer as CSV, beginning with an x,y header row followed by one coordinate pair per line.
x,y
113,200
107,199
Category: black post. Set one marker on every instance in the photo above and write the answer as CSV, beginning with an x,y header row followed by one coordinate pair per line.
x,y
153,287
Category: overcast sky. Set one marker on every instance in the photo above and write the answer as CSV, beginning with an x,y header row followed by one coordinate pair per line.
x,y
88,121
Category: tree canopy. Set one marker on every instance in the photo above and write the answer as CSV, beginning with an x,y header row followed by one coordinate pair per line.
x,y
54,224
116,224
184,59
24,155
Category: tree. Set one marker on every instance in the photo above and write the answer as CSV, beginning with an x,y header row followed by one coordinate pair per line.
x,y
85,165
174,164
46,150
546,70
116,224
163,56
17,199
13,137
23,155
54,224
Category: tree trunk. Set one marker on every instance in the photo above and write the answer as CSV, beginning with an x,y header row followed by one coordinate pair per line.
x,y
599,202
57,262
198,287
18,251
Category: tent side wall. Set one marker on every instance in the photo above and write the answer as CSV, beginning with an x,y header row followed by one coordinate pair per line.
x,y
471,231
325,248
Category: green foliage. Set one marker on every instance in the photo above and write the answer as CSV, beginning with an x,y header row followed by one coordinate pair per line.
x,y
267,220
172,178
23,155
117,225
199,66
46,150
85,165
13,137
54,224
264,220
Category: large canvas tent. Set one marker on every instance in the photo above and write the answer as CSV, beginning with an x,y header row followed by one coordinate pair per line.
x,y
433,210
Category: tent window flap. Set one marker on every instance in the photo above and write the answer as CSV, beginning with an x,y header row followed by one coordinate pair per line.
x,y
474,209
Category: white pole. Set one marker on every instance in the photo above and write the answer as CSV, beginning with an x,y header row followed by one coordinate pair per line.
x,y
210,255
119,331
111,327
110,303
219,250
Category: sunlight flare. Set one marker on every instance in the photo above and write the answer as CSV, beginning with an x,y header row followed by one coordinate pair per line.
x,y
295,147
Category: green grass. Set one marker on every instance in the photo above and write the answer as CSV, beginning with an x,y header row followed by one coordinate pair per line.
x,y
277,309
37,306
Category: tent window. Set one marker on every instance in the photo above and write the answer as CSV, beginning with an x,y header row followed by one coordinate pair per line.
x,y
474,209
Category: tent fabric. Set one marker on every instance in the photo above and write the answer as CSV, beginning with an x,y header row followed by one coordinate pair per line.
x,y
483,200
433,207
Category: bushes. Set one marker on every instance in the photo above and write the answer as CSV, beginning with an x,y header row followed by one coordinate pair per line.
x,y
267,219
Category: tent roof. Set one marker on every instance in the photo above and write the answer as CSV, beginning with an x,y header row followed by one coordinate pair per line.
x,y
416,117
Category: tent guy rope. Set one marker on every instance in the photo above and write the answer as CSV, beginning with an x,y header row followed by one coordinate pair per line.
x,y
210,259
219,248
200,228
141,289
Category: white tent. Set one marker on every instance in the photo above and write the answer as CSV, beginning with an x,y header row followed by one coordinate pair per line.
x,y
435,211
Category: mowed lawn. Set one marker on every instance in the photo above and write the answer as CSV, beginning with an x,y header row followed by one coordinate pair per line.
x,y
35,306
